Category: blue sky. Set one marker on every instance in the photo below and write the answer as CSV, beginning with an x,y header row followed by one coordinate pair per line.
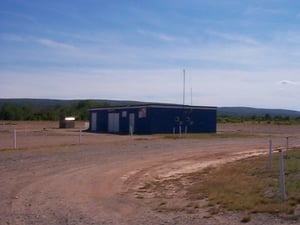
x,y
235,53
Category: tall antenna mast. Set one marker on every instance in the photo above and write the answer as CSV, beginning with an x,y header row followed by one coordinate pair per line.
x,y
183,87
191,83
191,96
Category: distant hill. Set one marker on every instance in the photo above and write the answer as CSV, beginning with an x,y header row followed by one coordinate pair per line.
x,y
222,111
247,112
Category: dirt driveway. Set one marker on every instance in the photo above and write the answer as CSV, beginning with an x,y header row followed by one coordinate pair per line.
x,y
96,182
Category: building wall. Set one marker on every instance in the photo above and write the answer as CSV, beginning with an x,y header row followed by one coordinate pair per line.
x,y
191,120
150,120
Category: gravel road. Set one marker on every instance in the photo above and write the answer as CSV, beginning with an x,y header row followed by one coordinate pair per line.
x,y
96,183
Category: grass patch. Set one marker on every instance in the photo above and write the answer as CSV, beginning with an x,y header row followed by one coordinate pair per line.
x,y
247,185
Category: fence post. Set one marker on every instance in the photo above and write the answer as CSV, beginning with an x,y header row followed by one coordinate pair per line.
x,y
282,180
80,135
270,154
15,139
287,146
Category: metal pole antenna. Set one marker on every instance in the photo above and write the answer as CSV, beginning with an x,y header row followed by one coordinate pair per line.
x,y
191,89
191,96
183,87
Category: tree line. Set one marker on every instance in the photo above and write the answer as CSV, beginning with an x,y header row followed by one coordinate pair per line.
x,y
10,111
267,118
28,112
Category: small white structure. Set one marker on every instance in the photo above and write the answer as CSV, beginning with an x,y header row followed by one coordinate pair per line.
x,y
67,122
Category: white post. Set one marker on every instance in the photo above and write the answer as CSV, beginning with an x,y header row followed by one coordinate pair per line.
x,y
287,146
174,130
282,180
270,154
15,139
185,129
80,135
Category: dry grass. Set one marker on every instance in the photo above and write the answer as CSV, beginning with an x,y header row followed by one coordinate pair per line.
x,y
247,185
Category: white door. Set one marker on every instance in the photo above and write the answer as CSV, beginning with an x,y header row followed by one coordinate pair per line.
x,y
131,123
113,122
94,121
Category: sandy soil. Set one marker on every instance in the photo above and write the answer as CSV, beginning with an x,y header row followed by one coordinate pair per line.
x,y
52,179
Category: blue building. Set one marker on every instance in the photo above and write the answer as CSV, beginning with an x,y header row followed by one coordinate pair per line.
x,y
153,119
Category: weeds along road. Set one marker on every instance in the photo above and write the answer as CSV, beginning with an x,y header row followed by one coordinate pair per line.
x,y
95,184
